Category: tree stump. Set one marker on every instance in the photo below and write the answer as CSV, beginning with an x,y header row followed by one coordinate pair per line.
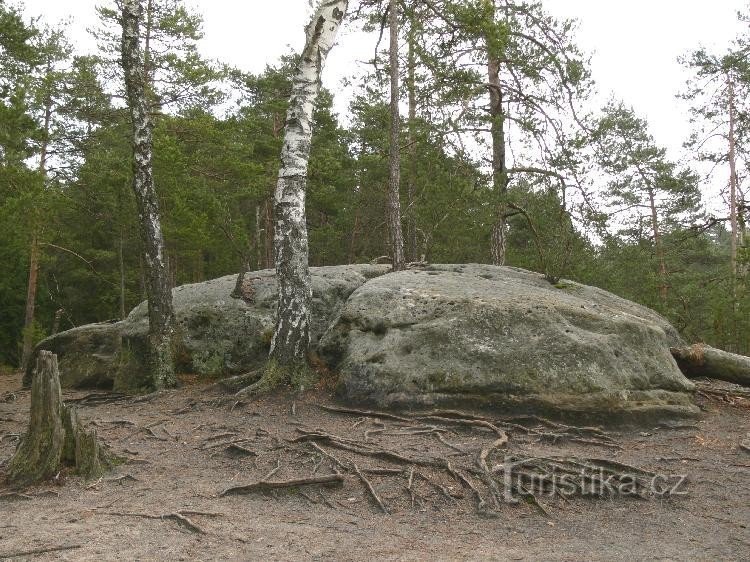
x,y
56,437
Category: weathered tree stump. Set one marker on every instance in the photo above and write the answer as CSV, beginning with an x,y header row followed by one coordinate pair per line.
x,y
56,438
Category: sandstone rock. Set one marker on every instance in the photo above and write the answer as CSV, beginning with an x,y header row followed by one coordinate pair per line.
x,y
217,334
505,338
480,335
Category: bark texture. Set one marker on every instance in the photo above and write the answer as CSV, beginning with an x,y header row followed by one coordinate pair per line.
x,y
291,338
158,290
658,245
499,164
28,324
394,199
56,438
411,221
732,184
704,361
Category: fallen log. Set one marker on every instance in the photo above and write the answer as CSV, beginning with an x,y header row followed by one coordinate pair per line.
x,y
56,437
701,360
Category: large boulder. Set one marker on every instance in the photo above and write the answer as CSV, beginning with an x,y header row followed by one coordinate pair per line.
x,y
480,335
216,333
505,338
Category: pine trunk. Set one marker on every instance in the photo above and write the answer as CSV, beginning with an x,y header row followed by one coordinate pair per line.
x,y
158,290
258,240
291,338
411,217
499,165
732,182
28,324
394,199
733,219
658,246
121,264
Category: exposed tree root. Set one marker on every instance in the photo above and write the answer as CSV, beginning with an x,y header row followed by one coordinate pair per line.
x,y
266,485
364,413
180,517
493,484
43,550
275,375
237,382
735,395
99,399
534,426
369,487
239,451
14,497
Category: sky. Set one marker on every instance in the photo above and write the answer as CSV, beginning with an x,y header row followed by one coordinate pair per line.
x,y
634,45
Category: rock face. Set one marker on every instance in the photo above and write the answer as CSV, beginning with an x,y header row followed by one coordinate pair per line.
x,y
506,338
475,334
217,334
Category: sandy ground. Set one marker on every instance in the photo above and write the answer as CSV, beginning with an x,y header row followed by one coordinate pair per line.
x,y
178,461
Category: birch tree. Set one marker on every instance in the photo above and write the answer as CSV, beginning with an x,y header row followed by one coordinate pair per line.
x,y
291,338
158,290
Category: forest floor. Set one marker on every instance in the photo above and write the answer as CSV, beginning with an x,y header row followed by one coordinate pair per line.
x,y
186,446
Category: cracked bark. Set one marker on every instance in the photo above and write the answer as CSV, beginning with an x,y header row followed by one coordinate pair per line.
x,y
499,165
411,221
291,338
158,290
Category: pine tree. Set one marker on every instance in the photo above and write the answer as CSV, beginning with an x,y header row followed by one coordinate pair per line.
x,y
526,86
645,187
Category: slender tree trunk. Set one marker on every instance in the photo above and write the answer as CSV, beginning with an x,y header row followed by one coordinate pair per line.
x,y
733,210
732,180
147,49
121,260
34,254
258,238
411,218
394,199
160,311
268,217
353,239
28,325
291,338
658,246
499,165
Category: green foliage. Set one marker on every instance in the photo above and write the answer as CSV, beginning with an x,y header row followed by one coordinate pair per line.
x,y
578,192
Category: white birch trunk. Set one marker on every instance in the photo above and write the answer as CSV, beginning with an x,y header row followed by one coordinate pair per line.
x,y
291,338
158,290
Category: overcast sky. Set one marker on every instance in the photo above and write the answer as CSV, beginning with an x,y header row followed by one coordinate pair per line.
x,y
634,44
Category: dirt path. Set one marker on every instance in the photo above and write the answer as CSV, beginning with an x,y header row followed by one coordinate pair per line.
x,y
179,462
